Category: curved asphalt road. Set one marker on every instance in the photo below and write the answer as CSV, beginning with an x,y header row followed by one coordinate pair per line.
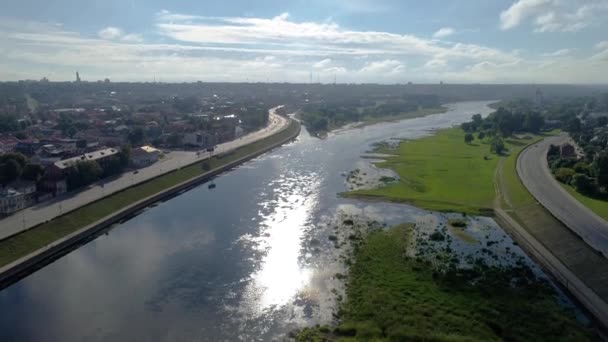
x,y
535,174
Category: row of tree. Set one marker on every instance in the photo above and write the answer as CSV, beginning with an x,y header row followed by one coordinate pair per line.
x,y
86,172
501,124
14,166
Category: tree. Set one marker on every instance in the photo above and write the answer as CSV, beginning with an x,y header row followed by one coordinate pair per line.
x,y
504,121
17,157
174,139
497,146
468,138
477,121
481,135
573,125
83,173
125,156
600,165
533,122
32,172
137,136
583,183
9,171
8,123
564,174
320,124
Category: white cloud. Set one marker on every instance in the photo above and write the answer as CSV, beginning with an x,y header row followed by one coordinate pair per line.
x,y
110,33
115,33
554,15
387,66
436,64
259,49
444,32
322,63
310,38
558,53
602,45
132,37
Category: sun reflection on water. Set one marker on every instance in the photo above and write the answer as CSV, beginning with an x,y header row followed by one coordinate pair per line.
x,y
280,276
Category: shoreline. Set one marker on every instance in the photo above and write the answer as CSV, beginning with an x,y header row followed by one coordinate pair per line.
x,y
507,218
382,119
25,265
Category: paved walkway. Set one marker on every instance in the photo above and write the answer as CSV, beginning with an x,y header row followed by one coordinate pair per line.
x,y
48,210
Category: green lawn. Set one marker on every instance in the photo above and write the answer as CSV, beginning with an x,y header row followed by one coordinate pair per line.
x,y
24,243
441,172
392,297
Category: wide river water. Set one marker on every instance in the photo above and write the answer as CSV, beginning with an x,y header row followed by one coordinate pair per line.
x,y
247,260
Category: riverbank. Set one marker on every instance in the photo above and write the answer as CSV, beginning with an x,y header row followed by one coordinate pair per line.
x,y
371,120
395,293
32,246
475,185
442,173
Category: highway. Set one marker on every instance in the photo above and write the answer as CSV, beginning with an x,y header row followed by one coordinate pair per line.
x,y
535,174
48,210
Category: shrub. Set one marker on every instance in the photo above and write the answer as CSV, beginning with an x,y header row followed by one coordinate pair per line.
x,y
583,183
457,223
497,146
564,175
582,167
481,135
468,138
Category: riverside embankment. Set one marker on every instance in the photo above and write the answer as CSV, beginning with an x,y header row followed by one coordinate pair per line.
x,y
441,172
42,256
250,259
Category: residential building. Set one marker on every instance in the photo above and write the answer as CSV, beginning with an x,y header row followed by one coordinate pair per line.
x,y
144,156
11,201
199,139
56,171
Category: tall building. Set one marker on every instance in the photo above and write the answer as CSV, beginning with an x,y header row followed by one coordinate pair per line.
x,y
77,77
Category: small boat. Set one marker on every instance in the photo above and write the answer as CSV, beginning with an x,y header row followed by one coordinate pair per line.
x,y
211,186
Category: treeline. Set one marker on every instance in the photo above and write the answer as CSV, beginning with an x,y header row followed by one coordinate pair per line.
x,y
586,120
503,123
333,113
15,166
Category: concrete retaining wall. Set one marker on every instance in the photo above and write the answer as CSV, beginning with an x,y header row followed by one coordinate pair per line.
x,y
585,295
33,261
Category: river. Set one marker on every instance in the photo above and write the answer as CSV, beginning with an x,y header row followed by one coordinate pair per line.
x,y
247,260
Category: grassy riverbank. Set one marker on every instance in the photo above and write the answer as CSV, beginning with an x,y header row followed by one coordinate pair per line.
x,y
29,241
392,296
440,172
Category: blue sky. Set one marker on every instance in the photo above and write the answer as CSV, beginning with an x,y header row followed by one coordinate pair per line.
x,y
390,41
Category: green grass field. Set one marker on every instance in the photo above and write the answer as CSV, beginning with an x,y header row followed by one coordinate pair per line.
x,y
29,241
441,172
393,297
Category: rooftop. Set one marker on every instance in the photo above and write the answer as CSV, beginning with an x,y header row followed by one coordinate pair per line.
x,y
96,155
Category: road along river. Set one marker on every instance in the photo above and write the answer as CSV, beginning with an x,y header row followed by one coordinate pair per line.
x,y
246,260
534,172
